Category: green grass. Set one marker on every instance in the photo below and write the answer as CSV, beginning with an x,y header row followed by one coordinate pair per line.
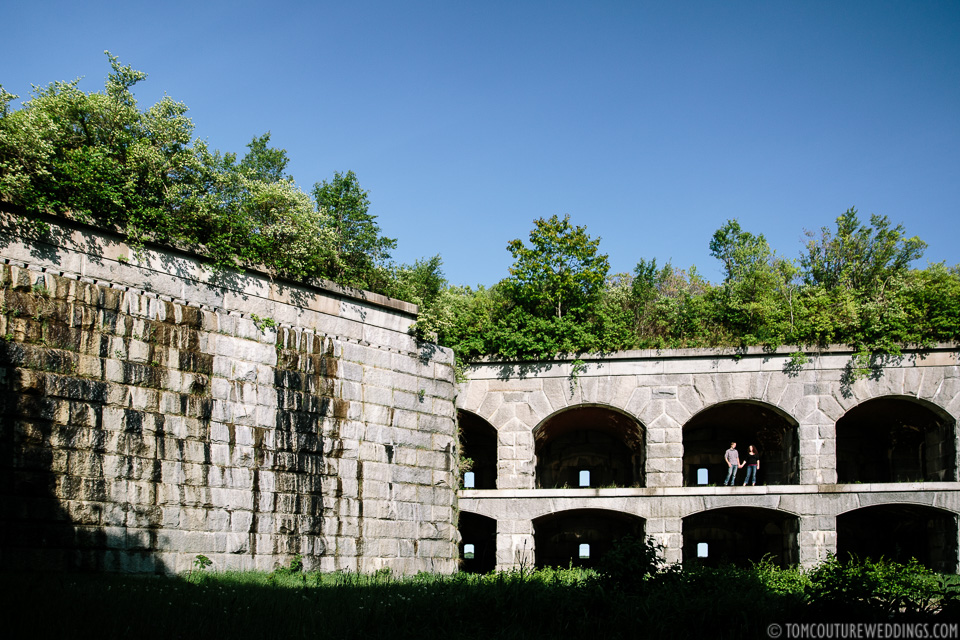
x,y
726,602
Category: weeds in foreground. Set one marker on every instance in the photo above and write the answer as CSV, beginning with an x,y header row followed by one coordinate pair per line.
x,y
669,602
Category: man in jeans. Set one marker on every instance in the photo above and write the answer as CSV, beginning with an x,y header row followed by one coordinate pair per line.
x,y
733,463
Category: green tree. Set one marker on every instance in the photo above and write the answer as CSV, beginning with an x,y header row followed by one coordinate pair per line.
x,y
560,272
96,156
755,286
359,252
858,257
248,212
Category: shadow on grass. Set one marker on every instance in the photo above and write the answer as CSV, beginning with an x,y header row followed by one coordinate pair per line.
x,y
726,602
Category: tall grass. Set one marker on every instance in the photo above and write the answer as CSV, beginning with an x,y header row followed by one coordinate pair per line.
x,y
725,602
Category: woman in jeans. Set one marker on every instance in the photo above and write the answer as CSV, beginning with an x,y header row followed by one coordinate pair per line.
x,y
752,462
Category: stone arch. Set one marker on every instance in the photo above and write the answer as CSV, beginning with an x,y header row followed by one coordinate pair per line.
x,y
896,438
603,441
478,542
558,536
899,532
741,535
708,434
478,443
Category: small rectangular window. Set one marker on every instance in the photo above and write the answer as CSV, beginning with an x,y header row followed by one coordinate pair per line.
x,y
584,478
701,549
701,476
468,552
584,551
469,480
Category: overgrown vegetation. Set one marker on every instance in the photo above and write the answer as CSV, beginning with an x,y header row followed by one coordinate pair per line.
x,y
100,158
671,602
853,285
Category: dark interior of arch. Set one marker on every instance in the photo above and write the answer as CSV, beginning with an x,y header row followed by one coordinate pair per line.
x,y
708,435
741,535
895,440
604,442
481,532
478,441
558,536
900,532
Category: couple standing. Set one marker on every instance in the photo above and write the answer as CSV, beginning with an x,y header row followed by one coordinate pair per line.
x,y
732,456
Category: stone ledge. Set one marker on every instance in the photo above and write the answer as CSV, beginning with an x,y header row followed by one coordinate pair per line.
x,y
642,492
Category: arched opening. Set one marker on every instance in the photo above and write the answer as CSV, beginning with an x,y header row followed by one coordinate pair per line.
x,y
900,532
895,439
478,543
708,435
478,445
581,537
741,535
598,446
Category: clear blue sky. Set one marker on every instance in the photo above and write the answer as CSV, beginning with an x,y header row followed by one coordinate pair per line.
x,y
649,122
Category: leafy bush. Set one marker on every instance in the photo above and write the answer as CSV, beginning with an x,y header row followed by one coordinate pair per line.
x,y
874,589
630,563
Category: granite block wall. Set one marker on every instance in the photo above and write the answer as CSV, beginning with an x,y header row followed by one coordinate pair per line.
x,y
154,409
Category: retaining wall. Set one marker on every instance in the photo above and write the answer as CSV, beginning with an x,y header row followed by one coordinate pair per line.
x,y
155,409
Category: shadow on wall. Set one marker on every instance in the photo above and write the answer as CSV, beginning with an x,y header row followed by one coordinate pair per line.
x,y
110,464
66,503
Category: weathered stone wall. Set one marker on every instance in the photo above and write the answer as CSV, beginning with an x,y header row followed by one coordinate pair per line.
x,y
154,409
665,391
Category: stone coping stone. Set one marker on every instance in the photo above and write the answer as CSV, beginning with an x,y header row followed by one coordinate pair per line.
x,y
709,352
108,246
890,487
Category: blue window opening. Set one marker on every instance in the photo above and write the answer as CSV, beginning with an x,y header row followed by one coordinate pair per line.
x,y
584,478
469,480
585,552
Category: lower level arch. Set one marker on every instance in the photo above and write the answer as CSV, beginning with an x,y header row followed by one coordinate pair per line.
x,y
741,535
559,538
478,543
900,532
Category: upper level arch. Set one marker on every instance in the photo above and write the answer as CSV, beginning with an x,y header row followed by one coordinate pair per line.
x,y
709,433
589,445
896,438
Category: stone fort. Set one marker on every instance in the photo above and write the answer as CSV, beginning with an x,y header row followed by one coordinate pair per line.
x,y
155,409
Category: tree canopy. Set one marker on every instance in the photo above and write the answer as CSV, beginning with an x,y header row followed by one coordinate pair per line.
x,y
100,158
853,285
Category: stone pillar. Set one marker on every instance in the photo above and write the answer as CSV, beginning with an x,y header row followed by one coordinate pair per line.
x,y
664,453
817,539
818,449
516,459
515,545
667,531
